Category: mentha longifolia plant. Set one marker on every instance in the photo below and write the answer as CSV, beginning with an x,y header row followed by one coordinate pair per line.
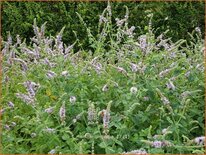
x,y
126,95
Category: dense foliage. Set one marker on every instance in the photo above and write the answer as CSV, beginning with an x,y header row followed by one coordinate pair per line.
x,y
179,17
127,94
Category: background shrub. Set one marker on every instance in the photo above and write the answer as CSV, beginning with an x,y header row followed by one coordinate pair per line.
x,y
179,17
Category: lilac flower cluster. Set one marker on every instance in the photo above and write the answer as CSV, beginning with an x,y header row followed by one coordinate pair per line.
x,y
170,85
62,112
26,98
199,140
138,67
51,74
106,118
160,144
49,110
140,151
91,114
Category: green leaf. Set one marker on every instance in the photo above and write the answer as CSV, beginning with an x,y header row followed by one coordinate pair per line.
x,y
102,145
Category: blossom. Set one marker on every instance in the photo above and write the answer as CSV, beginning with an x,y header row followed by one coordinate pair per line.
x,y
53,151
172,55
32,85
164,131
7,127
109,9
106,118
74,120
9,39
197,29
91,113
97,66
102,19
87,135
121,70
166,143
33,135
160,144
26,98
49,130
119,22
143,43
6,79
47,62
13,124
167,46
133,90
157,144
30,88
185,94
200,140
23,63
72,99
146,98
187,74
140,151
170,85
165,100
62,112
134,67
163,73
2,111
105,88
50,74
79,116
64,73
156,136
10,104
68,49
49,110
129,32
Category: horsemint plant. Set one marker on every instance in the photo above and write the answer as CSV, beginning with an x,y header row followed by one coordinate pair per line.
x,y
126,95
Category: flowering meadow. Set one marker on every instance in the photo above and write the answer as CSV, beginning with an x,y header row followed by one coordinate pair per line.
x,y
125,95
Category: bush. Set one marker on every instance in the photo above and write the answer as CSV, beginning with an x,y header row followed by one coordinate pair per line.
x,y
179,17
125,95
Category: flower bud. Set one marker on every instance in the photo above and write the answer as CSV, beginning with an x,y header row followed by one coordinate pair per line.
x,y
62,112
164,131
10,104
13,124
88,136
133,90
105,88
53,151
33,135
72,99
49,110
64,73
200,140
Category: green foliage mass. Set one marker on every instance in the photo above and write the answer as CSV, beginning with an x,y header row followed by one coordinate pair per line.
x,y
179,17
128,95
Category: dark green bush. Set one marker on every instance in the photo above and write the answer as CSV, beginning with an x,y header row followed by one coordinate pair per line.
x,y
179,17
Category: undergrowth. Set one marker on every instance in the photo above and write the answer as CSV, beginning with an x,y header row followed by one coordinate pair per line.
x,y
125,95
